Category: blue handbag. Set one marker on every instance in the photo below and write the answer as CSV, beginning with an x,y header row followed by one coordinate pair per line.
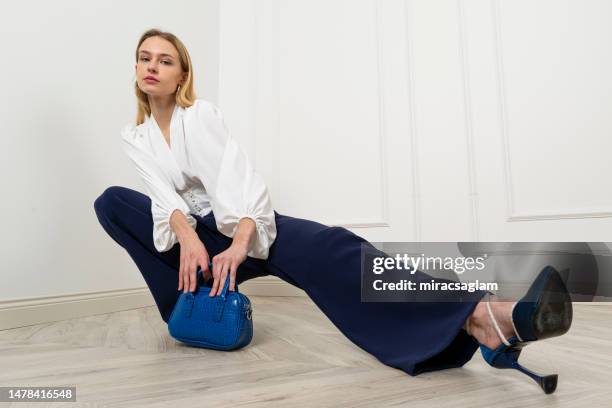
x,y
222,322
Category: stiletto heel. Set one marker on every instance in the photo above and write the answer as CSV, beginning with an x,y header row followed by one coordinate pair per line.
x,y
545,311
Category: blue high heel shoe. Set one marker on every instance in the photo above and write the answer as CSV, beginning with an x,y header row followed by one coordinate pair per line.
x,y
545,311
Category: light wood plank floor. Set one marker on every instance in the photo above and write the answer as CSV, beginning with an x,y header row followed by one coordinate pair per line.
x,y
297,358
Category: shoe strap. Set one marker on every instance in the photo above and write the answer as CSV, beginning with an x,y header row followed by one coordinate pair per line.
x,y
499,332
513,326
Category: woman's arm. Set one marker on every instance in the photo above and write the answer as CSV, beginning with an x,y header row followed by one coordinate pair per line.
x,y
159,188
237,191
172,221
239,197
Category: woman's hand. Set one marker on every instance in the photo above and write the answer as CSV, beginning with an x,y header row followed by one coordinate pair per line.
x,y
193,253
224,262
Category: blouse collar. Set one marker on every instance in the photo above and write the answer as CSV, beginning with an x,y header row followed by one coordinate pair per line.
x,y
175,124
169,153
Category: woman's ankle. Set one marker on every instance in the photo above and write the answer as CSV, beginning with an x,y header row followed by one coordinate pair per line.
x,y
480,326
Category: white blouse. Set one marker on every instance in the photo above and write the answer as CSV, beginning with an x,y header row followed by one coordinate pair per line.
x,y
204,169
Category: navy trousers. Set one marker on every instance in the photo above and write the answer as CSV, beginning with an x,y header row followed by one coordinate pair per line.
x,y
325,262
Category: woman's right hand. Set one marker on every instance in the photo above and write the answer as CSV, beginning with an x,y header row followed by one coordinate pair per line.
x,y
193,253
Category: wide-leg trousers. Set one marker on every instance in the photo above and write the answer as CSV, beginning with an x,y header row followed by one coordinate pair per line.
x,y
325,262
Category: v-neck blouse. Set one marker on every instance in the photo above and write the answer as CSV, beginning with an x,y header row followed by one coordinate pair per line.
x,y
202,170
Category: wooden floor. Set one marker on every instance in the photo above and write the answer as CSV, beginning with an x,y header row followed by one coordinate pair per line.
x,y
297,358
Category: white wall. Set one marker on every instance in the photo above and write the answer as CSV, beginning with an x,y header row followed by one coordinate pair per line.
x,y
67,90
428,120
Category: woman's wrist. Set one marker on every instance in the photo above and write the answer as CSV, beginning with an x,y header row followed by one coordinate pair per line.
x,y
180,226
245,232
241,244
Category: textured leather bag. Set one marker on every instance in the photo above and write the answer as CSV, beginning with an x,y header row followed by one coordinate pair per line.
x,y
222,322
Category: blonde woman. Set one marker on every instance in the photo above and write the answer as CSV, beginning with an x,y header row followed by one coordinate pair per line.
x,y
205,202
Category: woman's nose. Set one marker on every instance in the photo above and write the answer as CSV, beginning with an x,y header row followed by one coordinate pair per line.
x,y
152,66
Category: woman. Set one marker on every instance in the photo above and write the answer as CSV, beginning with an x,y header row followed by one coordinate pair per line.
x,y
203,194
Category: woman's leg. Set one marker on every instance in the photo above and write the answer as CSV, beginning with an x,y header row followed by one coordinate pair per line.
x,y
125,214
323,261
415,337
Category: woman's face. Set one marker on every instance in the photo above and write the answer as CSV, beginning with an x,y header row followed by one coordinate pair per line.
x,y
158,70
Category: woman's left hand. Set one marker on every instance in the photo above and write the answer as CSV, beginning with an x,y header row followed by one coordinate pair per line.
x,y
224,263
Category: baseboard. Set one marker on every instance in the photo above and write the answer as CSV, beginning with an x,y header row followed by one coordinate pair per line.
x,y
270,286
26,312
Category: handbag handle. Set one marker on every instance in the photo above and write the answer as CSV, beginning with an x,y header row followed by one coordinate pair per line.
x,y
219,303
225,286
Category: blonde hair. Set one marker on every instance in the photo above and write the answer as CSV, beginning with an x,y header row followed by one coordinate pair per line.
x,y
185,96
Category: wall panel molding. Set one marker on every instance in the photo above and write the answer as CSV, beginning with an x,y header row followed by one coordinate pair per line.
x,y
512,214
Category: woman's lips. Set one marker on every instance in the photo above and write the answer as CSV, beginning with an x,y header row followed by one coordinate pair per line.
x,y
151,80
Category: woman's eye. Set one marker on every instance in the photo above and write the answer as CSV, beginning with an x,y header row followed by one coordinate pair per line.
x,y
167,62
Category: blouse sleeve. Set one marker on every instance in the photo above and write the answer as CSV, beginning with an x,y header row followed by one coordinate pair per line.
x,y
164,198
237,191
